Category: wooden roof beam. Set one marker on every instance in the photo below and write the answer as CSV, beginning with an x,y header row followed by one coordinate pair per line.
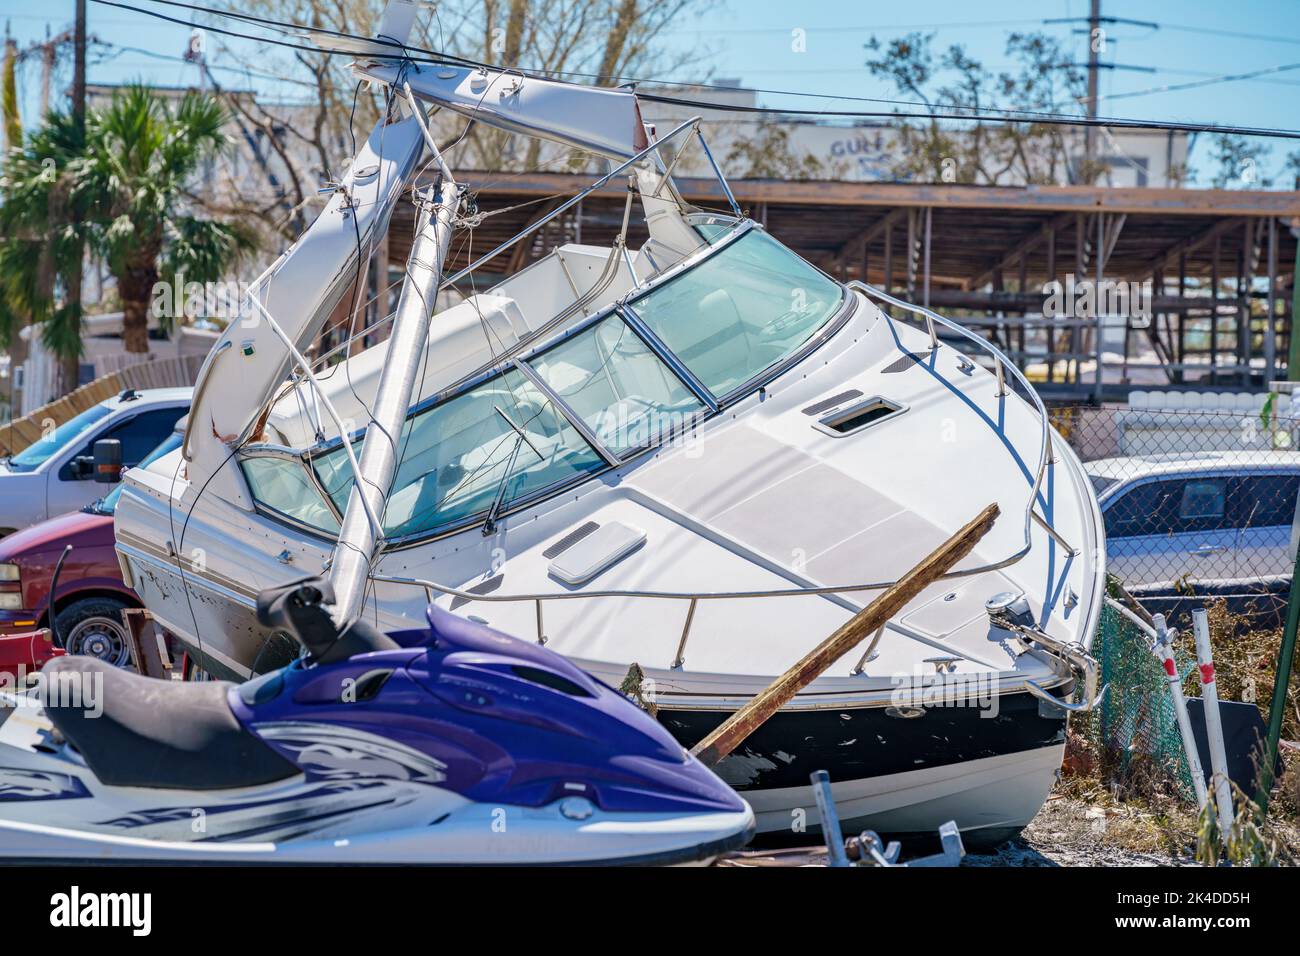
x,y
1169,257
1027,244
871,233
1084,199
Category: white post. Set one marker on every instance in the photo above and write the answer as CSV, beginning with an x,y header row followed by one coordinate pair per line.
x,y
1164,649
1213,725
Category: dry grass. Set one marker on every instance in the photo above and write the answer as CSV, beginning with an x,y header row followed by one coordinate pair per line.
x,y
1132,805
1085,823
1127,804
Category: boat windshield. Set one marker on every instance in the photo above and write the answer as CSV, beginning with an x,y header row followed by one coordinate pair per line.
x,y
744,309
48,445
611,379
740,311
500,441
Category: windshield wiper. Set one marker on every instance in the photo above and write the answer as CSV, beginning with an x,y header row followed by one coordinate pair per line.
x,y
490,524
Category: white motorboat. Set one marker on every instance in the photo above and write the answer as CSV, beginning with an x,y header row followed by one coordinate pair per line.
x,y
698,457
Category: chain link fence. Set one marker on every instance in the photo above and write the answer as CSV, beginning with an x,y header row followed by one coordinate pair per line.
x,y
1198,493
1135,731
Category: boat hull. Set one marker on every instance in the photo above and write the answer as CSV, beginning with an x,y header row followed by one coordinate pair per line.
x,y
899,771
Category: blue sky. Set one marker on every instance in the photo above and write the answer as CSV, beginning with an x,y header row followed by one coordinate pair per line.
x,y
750,40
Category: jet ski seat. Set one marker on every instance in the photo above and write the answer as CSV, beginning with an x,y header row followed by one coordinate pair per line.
x,y
162,735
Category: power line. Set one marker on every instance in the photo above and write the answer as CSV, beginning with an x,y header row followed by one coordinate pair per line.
x,y
966,114
1259,37
180,59
976,24
1196,84
974,116
952,24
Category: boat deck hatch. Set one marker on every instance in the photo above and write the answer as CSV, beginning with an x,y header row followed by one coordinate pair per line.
x,y
598,550
855,417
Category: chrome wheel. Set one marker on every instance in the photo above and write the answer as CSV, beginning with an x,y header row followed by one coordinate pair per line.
x,y
100,637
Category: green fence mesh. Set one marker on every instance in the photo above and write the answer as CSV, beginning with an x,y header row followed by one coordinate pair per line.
x,y
1136,728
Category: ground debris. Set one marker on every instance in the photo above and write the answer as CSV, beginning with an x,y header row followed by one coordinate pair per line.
x,y
1094,830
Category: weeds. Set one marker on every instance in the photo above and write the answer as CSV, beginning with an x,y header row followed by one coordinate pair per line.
x,y
1120,794
1252,840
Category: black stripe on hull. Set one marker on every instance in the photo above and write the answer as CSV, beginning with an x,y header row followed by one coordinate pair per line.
x,y
854,743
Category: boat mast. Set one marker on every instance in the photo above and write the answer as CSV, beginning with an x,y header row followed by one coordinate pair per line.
x,y
360,533
606,122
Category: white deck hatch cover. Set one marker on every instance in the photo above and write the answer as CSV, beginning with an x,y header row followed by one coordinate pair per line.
x,y
601,549
853,418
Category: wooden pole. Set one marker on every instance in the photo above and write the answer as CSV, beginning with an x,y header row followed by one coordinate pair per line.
x,y
733,731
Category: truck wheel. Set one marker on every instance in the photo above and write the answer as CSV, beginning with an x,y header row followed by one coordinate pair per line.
x,y
94,627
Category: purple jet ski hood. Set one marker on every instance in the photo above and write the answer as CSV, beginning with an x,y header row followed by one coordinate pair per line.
x,y
491,717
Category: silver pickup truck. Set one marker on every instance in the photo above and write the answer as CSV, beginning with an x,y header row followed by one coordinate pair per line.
x,y
55,474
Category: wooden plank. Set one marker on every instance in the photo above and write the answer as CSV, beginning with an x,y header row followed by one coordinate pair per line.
x,y
871,618
870,234
146,644
1171,256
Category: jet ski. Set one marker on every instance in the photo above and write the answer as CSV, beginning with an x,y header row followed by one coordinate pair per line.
x,y
452,744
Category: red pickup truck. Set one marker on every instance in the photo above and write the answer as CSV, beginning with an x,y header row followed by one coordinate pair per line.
x,y
87,608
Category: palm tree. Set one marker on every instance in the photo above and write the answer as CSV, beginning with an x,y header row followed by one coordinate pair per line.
x,y
127,181
38,249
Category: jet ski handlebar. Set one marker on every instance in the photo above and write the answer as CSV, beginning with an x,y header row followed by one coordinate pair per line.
x,y
301,609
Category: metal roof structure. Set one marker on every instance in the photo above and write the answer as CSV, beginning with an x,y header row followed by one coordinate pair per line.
x,y
986,253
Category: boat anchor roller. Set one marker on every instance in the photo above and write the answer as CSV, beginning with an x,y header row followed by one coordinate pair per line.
x,y
1010,611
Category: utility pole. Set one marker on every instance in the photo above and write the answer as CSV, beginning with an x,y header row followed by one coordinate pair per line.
x,y
72,364
79,67
1094,44
13,124
48,52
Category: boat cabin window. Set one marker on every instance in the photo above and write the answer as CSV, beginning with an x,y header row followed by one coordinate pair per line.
x,y
283,485
610,378
740,311
502,440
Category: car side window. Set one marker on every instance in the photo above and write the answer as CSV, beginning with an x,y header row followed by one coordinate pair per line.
x,y
139,435
1266,501
1203,505
1149,508
1171,506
